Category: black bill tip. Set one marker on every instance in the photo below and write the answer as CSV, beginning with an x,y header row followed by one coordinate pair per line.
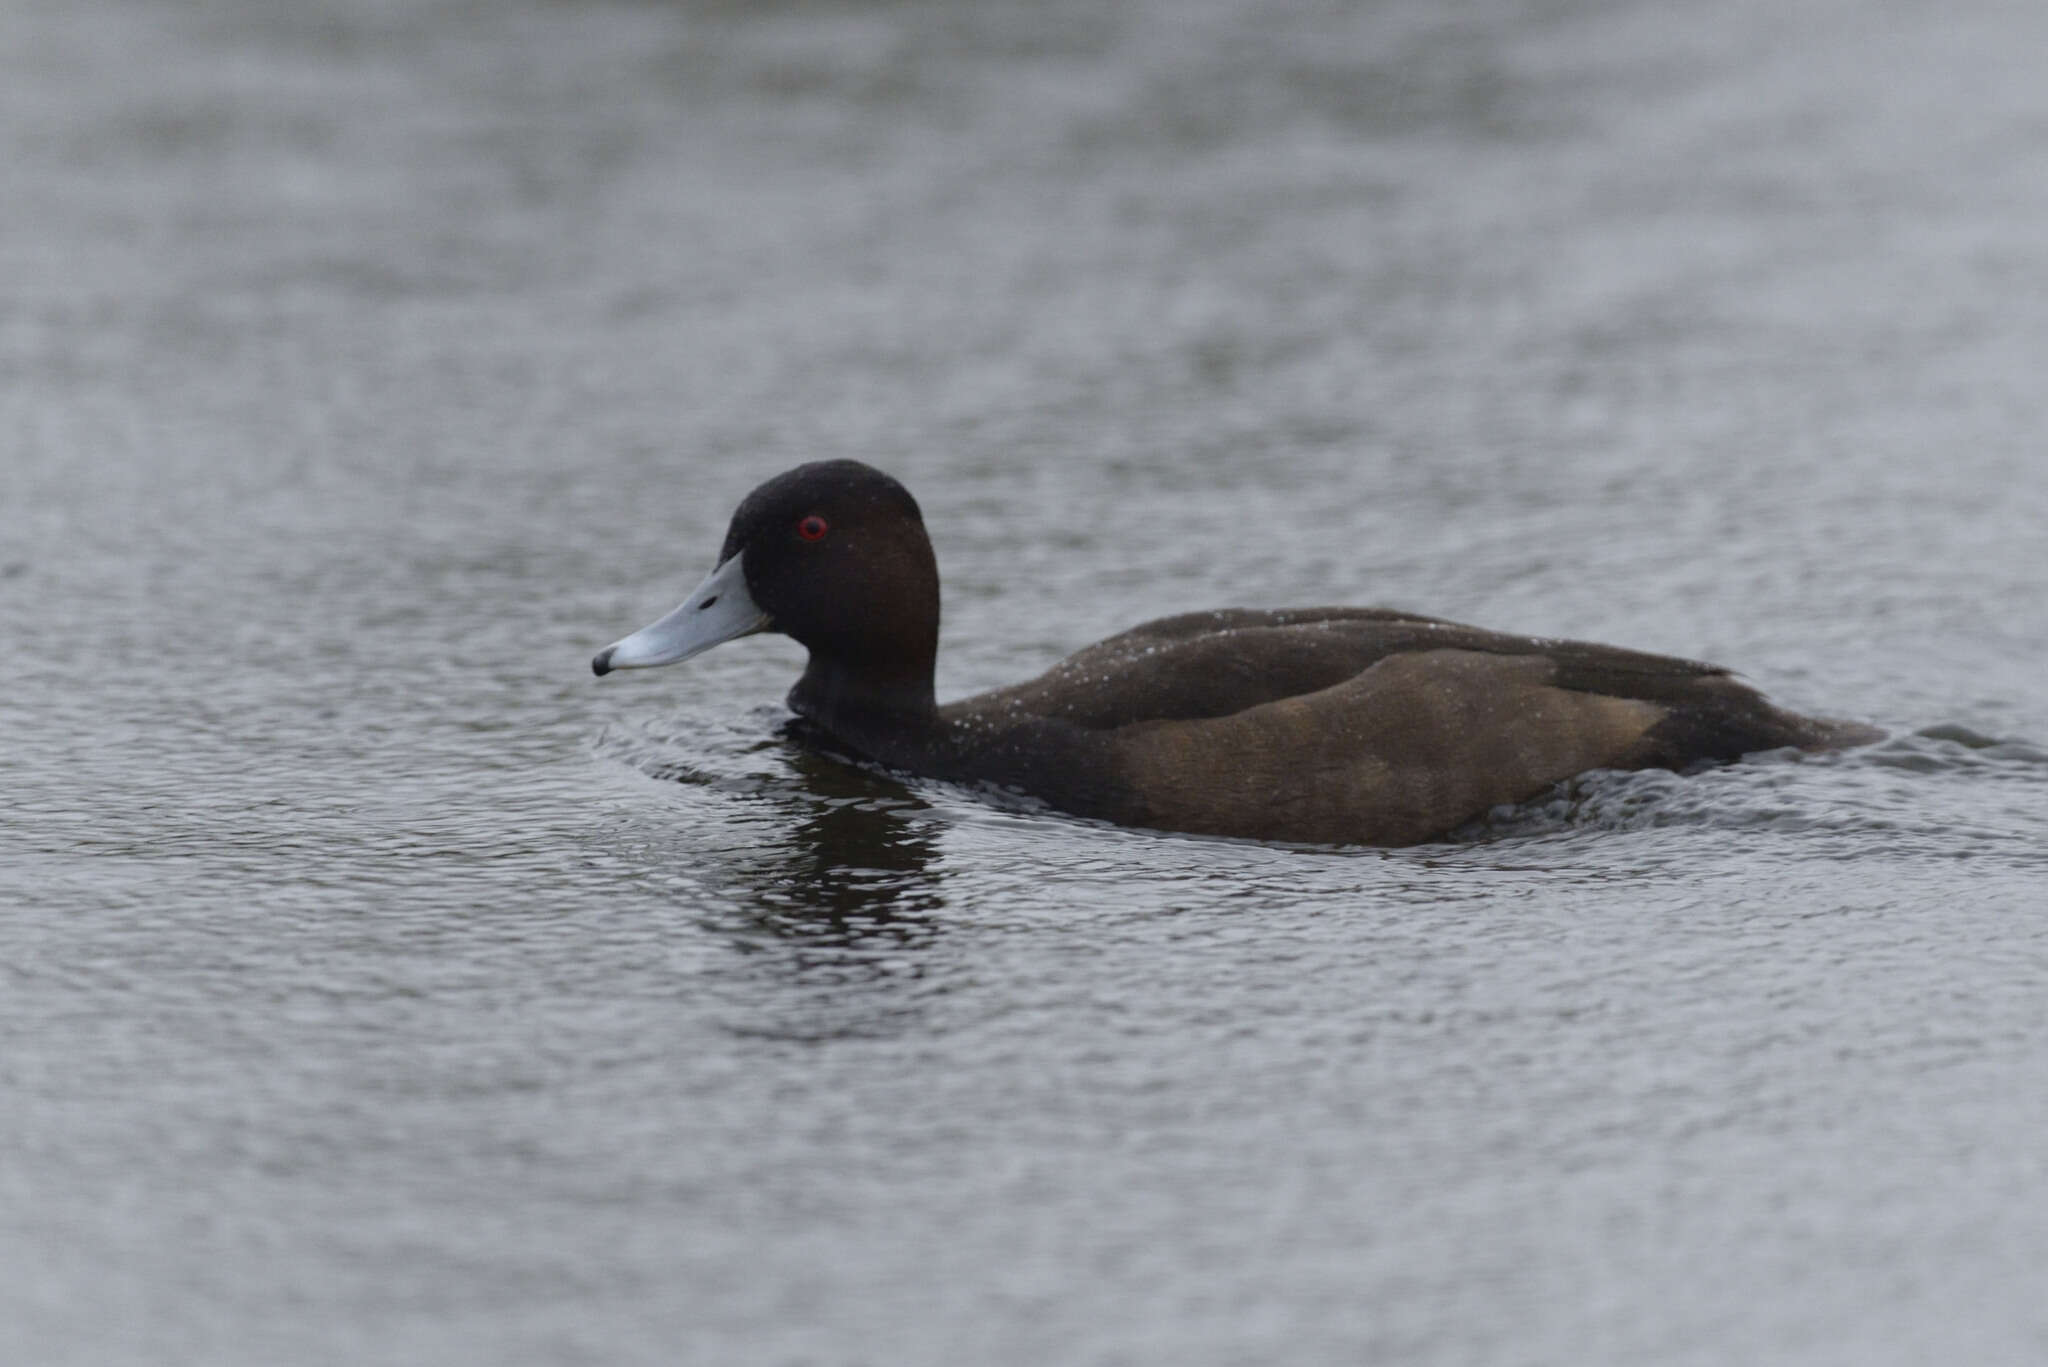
x,y
601,663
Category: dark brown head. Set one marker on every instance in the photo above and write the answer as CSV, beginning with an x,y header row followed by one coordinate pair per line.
x,y
833,554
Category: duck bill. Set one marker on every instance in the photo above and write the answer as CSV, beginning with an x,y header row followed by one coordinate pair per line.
x,y
720,610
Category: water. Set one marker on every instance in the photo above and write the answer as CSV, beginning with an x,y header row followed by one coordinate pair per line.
x,y
381,988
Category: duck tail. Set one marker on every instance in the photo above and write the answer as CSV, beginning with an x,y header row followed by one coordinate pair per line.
x,y
1730,727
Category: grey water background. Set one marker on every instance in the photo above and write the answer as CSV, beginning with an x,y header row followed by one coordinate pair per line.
x,y
378,987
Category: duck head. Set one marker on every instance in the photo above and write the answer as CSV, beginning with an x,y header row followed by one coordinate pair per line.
x,y
834,555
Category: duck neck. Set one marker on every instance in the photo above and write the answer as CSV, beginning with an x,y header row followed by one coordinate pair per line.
x,y
886,714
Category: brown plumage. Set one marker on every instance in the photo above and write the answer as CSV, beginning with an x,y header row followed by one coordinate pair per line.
x,y
1329,725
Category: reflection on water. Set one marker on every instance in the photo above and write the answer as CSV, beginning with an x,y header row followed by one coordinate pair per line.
x,y
837,904
855,866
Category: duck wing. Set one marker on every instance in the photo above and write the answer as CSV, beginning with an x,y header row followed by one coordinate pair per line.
x,y
1204,665
1423,741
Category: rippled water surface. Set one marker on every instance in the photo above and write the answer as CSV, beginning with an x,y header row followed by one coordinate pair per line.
x,y
379,987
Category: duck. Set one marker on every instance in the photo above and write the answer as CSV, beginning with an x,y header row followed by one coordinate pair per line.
x,y
1326,726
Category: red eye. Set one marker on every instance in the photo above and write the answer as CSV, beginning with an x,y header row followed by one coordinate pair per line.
x,y
812,528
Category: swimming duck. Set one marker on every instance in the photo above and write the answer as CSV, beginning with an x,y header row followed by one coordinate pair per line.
x,y
1332,725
